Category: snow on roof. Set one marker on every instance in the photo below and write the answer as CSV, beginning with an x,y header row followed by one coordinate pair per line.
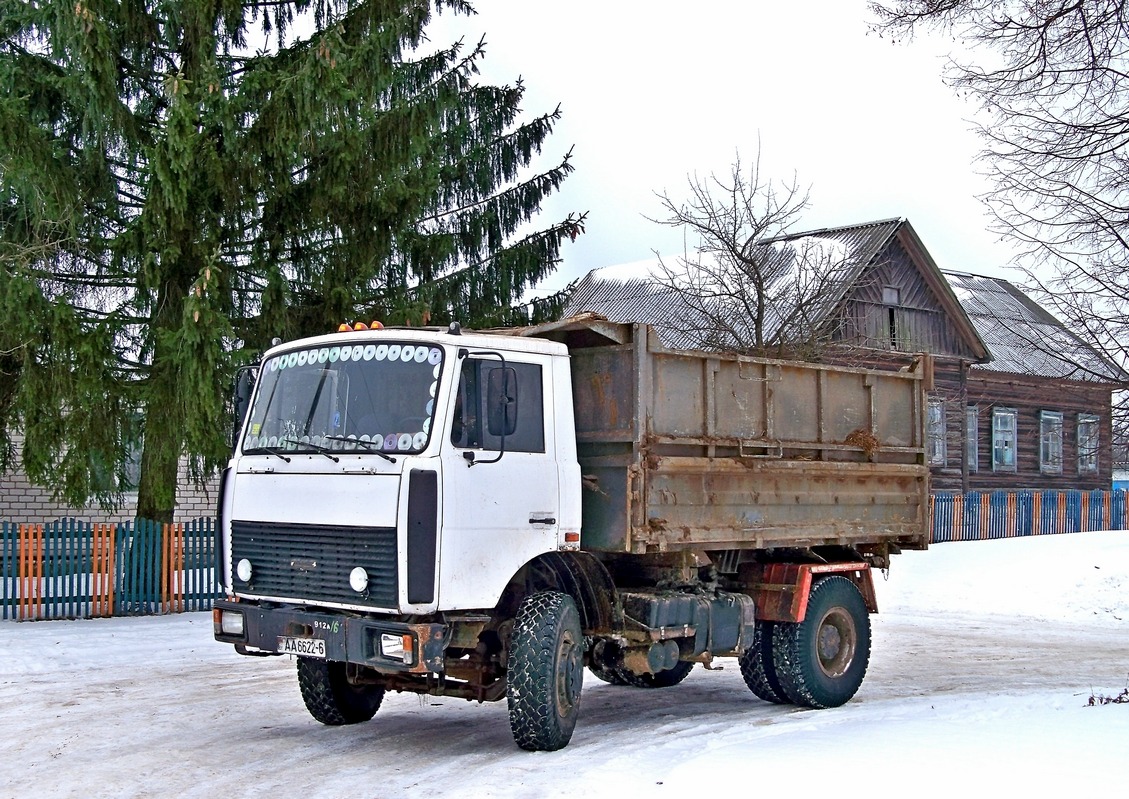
x,y
815,249
646,269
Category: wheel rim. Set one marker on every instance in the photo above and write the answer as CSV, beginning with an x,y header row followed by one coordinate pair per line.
x,y
835,643
570,676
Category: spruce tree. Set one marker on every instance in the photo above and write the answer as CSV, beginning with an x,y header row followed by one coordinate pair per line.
x,y
172,198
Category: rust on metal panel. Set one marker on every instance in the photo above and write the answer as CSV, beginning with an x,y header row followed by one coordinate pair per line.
x,y
732,452
600,384
740,505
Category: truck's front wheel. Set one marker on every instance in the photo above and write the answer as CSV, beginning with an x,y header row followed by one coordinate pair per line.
x,y
331,698
545,672
821,661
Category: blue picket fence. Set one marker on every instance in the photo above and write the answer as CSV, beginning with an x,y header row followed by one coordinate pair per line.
x,y
977,516
71,568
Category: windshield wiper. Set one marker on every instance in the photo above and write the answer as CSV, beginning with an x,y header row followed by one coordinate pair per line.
x,y
326,451
276,451
369,445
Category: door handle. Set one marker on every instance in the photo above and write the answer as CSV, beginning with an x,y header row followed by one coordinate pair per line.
x,y
547,520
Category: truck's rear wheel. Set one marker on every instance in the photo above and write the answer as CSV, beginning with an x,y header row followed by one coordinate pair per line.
x,y
546,672
331,698
757,667
821,661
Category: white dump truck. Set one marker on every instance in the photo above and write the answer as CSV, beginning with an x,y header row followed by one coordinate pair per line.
x,y
483,515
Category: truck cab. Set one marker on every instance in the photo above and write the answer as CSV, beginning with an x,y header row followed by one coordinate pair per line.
x,y
358,473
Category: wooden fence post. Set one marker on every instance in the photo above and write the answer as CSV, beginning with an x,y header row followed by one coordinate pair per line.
x,y
31,571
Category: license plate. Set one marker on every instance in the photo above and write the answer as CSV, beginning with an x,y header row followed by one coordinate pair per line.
x,y
306,647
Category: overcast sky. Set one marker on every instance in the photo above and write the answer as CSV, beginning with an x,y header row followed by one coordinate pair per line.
x,y
654,90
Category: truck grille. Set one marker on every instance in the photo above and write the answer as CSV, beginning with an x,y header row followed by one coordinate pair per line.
x,y
312,562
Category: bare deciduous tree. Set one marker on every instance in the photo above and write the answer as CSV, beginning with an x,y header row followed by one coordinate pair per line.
x,y
745,290
1053,79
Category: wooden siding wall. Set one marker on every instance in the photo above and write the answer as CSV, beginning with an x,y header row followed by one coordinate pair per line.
x,y
1028,396
920,323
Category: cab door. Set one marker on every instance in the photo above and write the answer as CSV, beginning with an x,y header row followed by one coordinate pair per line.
x,y
501,498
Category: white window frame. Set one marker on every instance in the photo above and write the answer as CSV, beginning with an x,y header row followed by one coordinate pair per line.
x,y
935,433
1005,423
972,436
1089,444
1050,442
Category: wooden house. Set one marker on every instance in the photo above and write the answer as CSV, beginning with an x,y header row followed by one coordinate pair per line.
x,y
1018,400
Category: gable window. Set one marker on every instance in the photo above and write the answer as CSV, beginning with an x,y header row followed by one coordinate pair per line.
x,y
1050,442
935,433
1087,443
1003,439
972,434
892,297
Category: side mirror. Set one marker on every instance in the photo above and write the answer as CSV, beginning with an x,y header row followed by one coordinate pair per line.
x,y
501,401
244,388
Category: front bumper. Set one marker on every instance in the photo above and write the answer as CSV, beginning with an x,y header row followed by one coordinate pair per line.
x,y
349,639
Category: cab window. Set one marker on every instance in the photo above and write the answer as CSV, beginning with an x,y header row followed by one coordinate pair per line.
x,y
471,428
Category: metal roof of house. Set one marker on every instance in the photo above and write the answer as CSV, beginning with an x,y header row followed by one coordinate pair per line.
x,y
1012,333
1022,337
635,299
638,292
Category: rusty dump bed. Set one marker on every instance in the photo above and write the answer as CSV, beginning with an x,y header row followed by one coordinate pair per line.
x,y
695,450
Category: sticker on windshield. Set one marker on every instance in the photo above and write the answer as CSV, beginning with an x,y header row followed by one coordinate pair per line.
x,y
381,352
302,358
334,354
346,353
358,351
407,354
393,352
292,359
435,356
370,351
419,440
377,441
405,441
323,355
429,408
421,354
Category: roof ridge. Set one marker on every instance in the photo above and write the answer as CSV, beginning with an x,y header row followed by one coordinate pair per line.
x,y
834,229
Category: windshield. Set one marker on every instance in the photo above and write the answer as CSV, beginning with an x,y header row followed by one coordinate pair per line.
x,y
360,398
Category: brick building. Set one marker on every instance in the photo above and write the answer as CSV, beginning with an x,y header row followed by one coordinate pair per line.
x,y
23,502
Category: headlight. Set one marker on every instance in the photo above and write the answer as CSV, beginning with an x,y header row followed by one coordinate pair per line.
x,y
243,570
358,580
231,622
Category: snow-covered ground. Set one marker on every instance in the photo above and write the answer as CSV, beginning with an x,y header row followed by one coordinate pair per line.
x,y
985,657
